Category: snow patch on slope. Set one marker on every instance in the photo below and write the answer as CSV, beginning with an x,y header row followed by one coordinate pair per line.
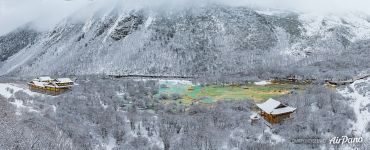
x,y
316,24
360,101
262,83
111,144
7,90
20,105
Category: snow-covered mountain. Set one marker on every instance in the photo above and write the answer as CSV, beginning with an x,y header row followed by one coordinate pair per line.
x,y
16,41
193,41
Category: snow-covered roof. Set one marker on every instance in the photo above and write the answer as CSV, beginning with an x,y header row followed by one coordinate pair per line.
x,y
269,105
37,83
275,107
64,80
43,79
283,110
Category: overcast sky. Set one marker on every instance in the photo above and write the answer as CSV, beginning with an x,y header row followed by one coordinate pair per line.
x,y
46,13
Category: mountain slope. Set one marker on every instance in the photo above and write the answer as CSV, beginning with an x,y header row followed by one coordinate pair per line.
x,y
16,41
212,40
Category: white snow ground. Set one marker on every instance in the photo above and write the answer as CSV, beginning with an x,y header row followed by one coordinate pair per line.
x,y
112,144
20,105
185,82
262,83
7,90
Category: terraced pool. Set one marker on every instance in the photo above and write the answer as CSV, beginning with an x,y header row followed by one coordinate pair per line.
x,y
188,93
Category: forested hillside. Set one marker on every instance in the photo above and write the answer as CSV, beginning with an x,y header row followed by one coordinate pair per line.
x,y
197,41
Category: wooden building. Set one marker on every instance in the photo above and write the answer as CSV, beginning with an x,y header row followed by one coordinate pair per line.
x,y
274,111
50,86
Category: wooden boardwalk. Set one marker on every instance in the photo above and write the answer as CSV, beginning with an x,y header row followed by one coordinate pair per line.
x,y
151,76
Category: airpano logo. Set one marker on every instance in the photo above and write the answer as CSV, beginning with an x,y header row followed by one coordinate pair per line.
x,y
346,140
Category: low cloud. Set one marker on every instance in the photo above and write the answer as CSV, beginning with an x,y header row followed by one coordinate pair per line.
x,y
318,6
46,13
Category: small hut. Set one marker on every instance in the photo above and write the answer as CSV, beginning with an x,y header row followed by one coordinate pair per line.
x,y
274,111
254,119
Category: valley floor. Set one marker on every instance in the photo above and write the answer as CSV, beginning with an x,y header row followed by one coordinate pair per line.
x,y
130,114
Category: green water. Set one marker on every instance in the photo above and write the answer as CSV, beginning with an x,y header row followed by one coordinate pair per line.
x,y
190,93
